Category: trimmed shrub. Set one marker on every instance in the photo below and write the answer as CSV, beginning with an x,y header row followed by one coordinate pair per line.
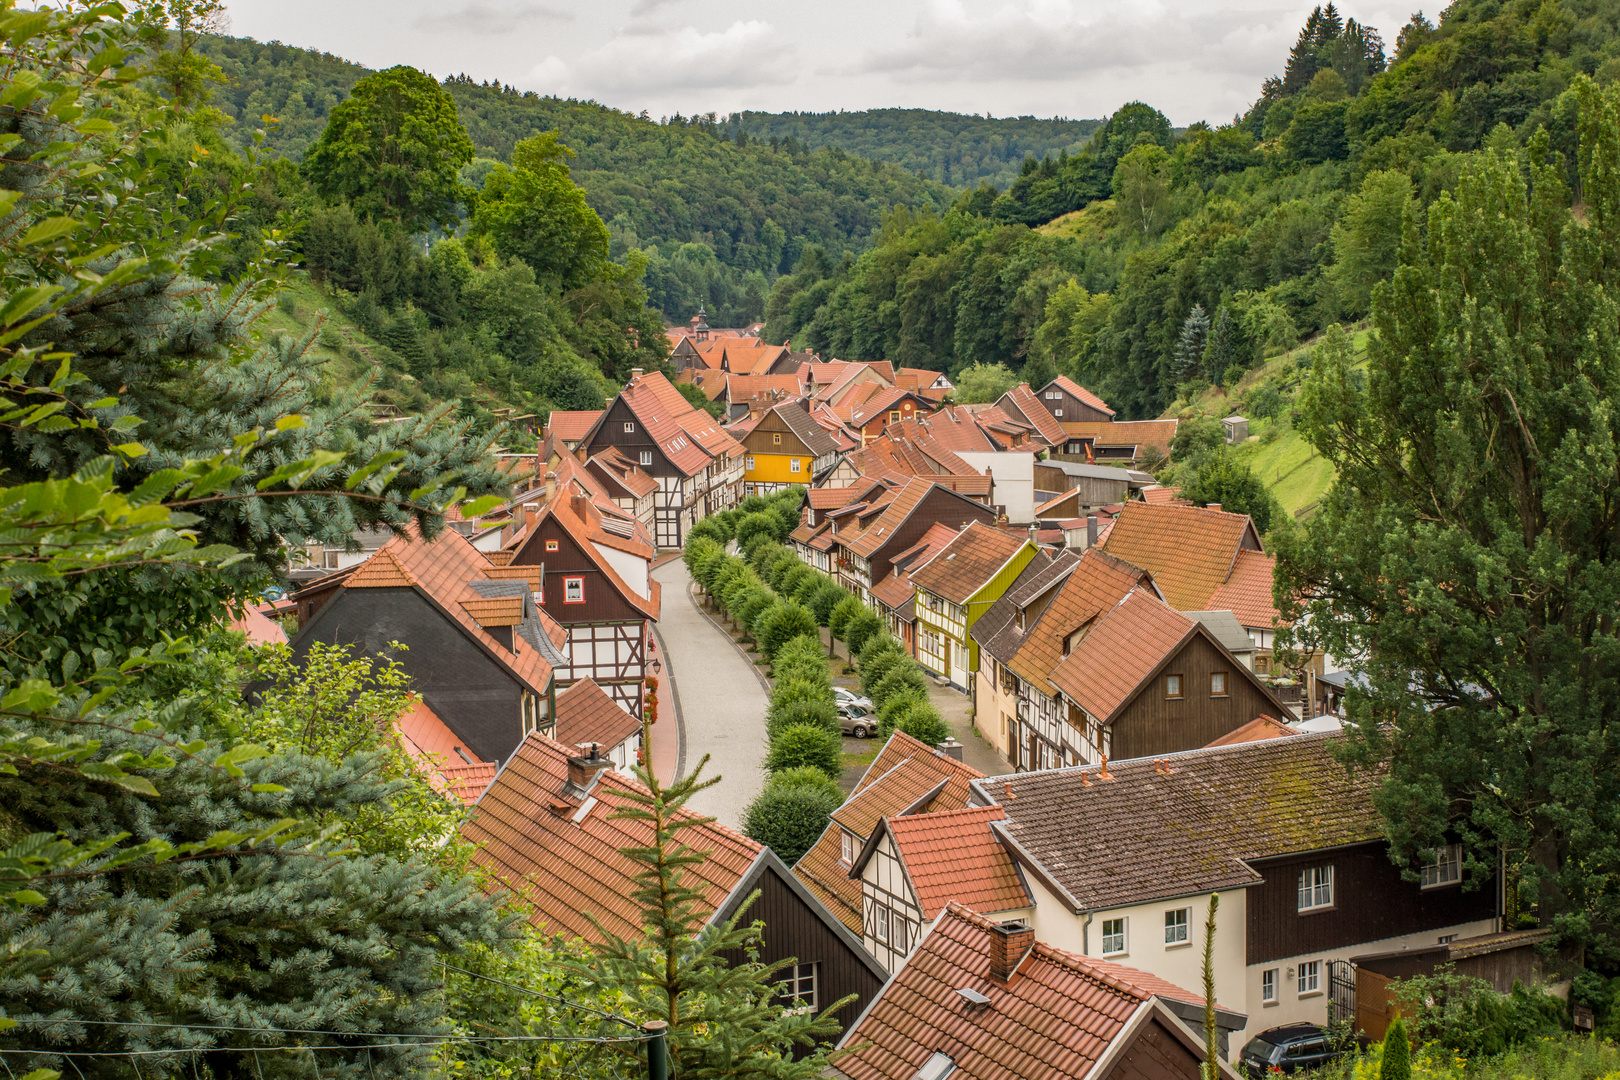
x,y
923,723
708,529
873,670
778,565
816,712
789,817
755,542
901,678
825,601
847,609
1397,1059
881,643
697,549
803,777
793,579
787,691
753,527
786,622
758,616
806,745
806,587
709,564
891,712
861,627
750,602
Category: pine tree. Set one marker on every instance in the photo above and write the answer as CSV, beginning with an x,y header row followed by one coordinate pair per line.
x,y
1397,1060
723,1018
1329,26
1190,347
1302,61
1222,351
1211,1066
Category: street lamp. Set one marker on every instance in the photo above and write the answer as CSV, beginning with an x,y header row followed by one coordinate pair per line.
x,y
656,666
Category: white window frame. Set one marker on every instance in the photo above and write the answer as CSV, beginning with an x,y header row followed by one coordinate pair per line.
x,y
1445,870
880,924
646,457
1121,940
573,590
1057,413
1268,986
748,461
791,984
793,465
1309,980
629,427
1177,927
846,852
552,545
1315,891
1053,395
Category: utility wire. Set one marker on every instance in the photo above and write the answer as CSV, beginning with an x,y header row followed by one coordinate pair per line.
x,y
300,1049
48,1022
548,997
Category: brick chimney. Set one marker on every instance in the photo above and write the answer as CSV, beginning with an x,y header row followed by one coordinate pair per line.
x,y
551,486
583,769
531,510
635,373
1091,530
1212,506
1010,942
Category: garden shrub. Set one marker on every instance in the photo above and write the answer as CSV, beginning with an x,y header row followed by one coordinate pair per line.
x,y
924,723
789,816
798,745
846,609
786,622
815,712
825,601
901,678
873,670
861,626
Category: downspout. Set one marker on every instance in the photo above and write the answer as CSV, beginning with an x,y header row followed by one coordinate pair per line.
x,y
1085,936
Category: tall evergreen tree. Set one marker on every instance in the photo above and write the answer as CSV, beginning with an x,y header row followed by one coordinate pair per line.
x,y
1464,556
1222,351
1302,60
724,1019
1190,347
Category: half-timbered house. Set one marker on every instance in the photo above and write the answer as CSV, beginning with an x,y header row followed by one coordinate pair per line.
x,y
546,831
869,534
957,584
785,447
1021,405
698,465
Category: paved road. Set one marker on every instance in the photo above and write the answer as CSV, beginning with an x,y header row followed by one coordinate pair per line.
x,y
721,700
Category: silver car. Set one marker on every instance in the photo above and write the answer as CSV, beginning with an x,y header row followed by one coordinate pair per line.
x,y
856,721
845,696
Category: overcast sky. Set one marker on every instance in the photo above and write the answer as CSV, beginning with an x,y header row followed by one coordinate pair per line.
x,y
1194,59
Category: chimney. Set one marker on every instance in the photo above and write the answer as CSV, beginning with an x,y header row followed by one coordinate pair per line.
x,y
580,505
635,373
583,769
1033,532
952,748
531,510
1091,530
1010,942
1212,506
551,486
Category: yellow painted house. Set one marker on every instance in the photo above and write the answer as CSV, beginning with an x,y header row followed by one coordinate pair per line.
x,y
957,586
785,446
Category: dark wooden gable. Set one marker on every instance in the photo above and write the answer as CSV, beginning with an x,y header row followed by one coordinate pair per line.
x,y
1069,409
941,504
610,431
603,601
1150,723
1158,1049
759,440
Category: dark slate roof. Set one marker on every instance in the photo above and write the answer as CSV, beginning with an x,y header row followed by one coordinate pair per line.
x,y
996,631
1152,834
804,426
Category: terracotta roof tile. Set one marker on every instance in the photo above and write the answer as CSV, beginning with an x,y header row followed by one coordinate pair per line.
x,y
586,715
882,529
572,426
1247,590
1022,398
1063,382
1261,727
1052,1021
1190,550
831,498
894,591
383,570
1124,646
1159,496
1152,834
997,630
565,870
821,868
449,765
968,563
1156,433
1090,590
953,855
494,610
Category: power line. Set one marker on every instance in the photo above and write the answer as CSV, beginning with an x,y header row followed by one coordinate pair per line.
x,y
49,1022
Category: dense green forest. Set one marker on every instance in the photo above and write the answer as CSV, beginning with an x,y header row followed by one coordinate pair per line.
x,y
716,221
953,148
1153,259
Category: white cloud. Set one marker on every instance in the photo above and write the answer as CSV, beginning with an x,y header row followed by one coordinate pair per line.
x,y
643,59
487,18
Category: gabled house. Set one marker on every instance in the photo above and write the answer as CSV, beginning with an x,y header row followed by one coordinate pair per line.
x,y
546,831
1120,862
568,428
868,535
868,413
622,480
479,648
983,999
1126,442
589,719
1068,401
913,865
955,586
595,572
906,777
1020,404
698,465
785,446
895,598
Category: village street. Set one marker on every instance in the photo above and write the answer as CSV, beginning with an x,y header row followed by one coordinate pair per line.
x,y
718,696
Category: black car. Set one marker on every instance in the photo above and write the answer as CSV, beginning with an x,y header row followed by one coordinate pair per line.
x,y
1288,1049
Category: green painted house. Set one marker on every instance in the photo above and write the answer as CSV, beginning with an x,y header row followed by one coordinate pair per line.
x,y
957,586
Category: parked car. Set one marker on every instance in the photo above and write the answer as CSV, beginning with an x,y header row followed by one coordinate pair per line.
x,y
845,696
1288,1049
856,721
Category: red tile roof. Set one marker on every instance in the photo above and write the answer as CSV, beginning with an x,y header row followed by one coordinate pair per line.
x,y
1156,433
969,562
560,857
259,627
831,498
586,715
1122,649
1022,398
953,855
572,426
1246,592
1053,1020
1162,495
1089,591
1190,550
1063,382
449,765
895,514
1261,727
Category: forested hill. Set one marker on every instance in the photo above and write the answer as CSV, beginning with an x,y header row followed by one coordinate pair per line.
x,y
717,220
952,148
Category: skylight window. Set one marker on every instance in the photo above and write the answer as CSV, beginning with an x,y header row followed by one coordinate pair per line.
x,y
937,1067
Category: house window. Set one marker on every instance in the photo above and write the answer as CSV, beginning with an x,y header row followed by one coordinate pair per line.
x,y
880,923
894,416
1316,888
1057,413
551,545
1268,986
1175,926
573,590
1172,686
629,427
1053,395
1113,937
748,462
793,465
776,438
1446,868
1310,977
847,854
646,457
1217,684
796,987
